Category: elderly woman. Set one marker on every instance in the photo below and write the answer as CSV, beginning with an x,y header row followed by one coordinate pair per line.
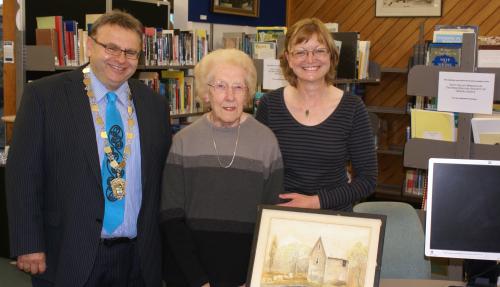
x,y
319,129
218,170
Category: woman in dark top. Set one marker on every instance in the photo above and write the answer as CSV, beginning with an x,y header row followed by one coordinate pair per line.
x,y
319,129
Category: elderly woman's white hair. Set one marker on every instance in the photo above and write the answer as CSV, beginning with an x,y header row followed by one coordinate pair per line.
x,y
203,72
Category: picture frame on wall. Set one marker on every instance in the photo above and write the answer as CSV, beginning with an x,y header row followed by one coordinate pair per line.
x,y
248,8
306,247
408,8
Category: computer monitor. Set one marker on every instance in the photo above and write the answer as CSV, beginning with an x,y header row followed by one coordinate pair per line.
x,y
463,209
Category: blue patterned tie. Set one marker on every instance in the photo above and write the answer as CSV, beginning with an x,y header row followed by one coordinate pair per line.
x,y
113,208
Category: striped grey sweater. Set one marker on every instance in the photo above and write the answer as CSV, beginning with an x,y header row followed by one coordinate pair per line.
x,y
315,157
208,212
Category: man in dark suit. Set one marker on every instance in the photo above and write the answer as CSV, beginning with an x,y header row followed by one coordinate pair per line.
x,y
84,169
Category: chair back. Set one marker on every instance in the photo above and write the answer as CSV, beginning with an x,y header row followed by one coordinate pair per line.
x,y
403,252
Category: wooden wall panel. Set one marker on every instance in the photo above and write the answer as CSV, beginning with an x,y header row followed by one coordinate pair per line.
x,y
392,40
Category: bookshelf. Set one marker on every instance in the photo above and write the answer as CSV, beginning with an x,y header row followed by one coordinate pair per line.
x,y
423,81
37,61
390,147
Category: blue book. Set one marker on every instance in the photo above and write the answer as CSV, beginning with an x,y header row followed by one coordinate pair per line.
x,y
444,54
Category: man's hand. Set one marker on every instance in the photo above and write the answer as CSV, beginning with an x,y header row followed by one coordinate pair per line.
x,y
300,200
33,263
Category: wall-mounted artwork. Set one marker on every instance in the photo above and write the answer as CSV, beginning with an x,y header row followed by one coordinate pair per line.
x,y
304,247
236,7
408,8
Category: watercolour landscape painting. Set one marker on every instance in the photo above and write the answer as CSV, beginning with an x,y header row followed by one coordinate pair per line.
x,y
310,249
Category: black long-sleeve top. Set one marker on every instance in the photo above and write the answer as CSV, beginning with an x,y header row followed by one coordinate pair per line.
x,y
315,157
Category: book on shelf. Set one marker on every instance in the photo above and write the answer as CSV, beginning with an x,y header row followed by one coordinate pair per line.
x,y
332,27
444,54
486,130
90,19
488,40
457,28
71,56
488,55
452,33
264,50
48,37
238,40
433,125
415,182
150,79
56,23
174,90
270,34
347,66
233,40
363,59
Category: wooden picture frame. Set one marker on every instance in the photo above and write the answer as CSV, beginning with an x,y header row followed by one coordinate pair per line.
x,y
306,247
408,8
248,8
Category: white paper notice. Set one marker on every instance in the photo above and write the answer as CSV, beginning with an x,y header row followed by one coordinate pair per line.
x,y
8,51
272,76
466,92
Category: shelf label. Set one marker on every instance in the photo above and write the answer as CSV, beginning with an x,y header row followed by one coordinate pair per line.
x,y
8,51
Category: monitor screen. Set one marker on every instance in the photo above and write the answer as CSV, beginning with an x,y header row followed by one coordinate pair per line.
x,y
463,209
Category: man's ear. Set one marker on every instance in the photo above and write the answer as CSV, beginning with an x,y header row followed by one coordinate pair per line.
x,y
90,46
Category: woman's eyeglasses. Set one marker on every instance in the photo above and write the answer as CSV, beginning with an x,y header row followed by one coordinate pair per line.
x,y
221,87
318,53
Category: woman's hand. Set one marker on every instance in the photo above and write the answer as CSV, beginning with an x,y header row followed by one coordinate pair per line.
x,y
300,200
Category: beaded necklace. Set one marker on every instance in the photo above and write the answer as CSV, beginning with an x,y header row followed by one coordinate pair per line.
x,y
118,184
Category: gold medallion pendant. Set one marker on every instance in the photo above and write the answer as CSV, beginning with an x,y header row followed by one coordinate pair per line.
x,y
118,188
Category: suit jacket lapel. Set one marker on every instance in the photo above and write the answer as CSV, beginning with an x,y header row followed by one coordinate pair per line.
x,y
145,141
84,124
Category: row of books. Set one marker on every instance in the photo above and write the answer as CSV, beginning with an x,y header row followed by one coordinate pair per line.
x,y
67,40
176,87
267,43
444,49
160,47
415,182
174,47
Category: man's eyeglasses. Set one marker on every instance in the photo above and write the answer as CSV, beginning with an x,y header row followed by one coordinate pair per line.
x,y
114,50
221,87
318,53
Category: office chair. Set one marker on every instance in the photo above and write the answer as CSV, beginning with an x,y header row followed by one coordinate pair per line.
x,y
403,250
11,276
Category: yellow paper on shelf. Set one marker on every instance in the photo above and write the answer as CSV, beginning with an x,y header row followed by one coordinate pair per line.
x,y
433,125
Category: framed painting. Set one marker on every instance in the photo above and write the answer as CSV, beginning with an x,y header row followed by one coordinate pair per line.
x,y
408,8
236,7
305,247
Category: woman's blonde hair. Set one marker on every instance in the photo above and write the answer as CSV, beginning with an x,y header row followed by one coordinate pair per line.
x,y
303,31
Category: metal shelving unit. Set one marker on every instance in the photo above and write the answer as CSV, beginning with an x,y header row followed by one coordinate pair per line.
x,y
423,81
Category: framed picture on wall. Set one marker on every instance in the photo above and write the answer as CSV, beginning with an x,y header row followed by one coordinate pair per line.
x,y
408,8
306,247
248,8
